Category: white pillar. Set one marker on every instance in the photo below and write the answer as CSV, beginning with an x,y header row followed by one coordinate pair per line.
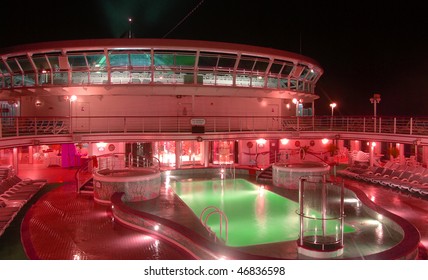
x,y
177,154
30,154
206,153
15,160
401,155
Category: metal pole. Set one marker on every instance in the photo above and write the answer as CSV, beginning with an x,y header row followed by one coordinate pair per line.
x,y
301,190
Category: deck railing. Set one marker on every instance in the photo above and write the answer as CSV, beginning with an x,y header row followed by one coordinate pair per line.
x,y
34,126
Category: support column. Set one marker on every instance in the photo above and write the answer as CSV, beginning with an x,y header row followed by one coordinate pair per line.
x,y
177,154
30,154
15,160
401,154
206,153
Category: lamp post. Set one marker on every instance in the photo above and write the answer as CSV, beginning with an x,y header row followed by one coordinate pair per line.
x,y
332,105
297,102
130,28
375,100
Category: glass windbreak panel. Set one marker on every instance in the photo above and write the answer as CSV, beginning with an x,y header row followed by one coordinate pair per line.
x,y
227,62
1,82
224,80
119,60
304,72
44,77
18,80
311,75
25,64
98,77
79,78
120,77
60,78
7,82
243,81
287,69
208,78
29,79
41,63
53,60
261,66
13,65
185,60
246,64
272,83
141,77
77,62
163,60
275,68
283,83
207,61
141,59
257,81
96,61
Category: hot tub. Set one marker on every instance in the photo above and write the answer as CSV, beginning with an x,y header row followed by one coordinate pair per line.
x,y
137,184
288,174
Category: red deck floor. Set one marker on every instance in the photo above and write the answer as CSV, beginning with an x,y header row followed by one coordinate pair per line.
x,y
63,225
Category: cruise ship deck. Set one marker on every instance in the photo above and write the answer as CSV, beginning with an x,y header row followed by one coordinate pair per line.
x,y
59,224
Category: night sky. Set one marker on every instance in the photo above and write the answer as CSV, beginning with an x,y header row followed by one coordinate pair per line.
x,y
365,47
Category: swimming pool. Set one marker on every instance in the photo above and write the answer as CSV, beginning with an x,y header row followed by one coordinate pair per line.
x,y
255,215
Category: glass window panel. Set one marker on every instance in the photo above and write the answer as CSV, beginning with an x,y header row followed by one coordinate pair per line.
x,y
275,68
77,61
207,61
29,79
185,60
246,64
13,65
41,63
119,60
163,59
53,60
140,59
304,72
25,64
287,69
96,61
261,66
227,62
17,80
3,68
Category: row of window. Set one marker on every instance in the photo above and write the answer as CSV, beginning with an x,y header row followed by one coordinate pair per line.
x,y
157,77
150,61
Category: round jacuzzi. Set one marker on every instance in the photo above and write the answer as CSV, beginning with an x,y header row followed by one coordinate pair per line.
x,y
137,184
288,174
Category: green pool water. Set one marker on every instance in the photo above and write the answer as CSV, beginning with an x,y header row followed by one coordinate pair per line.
x,y
255,215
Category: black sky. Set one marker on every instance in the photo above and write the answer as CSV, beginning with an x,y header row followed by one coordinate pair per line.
x,y
365,47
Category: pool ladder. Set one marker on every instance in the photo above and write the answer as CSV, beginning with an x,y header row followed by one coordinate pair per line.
x,y
210,210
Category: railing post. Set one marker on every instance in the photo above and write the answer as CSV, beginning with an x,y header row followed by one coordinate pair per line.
x,y
364,125
395,125
17,126
411,126
380,124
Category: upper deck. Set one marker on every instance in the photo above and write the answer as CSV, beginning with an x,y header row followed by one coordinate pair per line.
x,y
47,68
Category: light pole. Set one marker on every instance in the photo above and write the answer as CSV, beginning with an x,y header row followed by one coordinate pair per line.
x,y
375,100
332,105
130,28
297,102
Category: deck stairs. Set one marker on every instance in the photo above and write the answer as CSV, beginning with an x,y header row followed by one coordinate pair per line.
x,y
265,174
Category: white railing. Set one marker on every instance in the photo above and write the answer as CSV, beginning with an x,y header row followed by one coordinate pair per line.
x,y
32,126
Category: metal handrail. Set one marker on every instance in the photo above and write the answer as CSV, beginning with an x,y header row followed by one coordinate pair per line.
x,y
215,210
65,126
